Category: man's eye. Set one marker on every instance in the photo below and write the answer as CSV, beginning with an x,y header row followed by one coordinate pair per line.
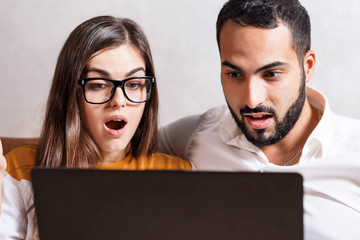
x,y
234,74
272,74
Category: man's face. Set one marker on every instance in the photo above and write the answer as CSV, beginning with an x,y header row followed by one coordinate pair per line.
x,y
262,80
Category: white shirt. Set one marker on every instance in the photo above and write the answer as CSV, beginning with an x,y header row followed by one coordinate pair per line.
x,y
329,163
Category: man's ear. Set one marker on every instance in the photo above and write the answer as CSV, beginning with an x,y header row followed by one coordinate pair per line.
x,y
309,64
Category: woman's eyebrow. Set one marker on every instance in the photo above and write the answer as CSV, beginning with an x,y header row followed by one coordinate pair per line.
x,y
135,70
101,71
107,74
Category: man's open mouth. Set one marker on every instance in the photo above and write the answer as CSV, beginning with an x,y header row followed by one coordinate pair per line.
x,y
258,117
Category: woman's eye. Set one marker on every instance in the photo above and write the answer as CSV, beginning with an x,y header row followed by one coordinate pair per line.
x,y
133,85
96,86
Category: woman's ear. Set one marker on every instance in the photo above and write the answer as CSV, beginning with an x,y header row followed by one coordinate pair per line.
x,y
309,64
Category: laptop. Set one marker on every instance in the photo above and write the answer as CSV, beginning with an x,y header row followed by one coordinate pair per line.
x,y
170,205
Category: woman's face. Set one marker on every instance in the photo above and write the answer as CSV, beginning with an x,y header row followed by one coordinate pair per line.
x,y
113,124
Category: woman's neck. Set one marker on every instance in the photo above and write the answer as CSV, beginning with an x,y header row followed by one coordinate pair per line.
x,y
114,156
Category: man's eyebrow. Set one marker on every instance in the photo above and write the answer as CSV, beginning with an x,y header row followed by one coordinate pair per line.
x,y
107,74
267,66
270,65
228,64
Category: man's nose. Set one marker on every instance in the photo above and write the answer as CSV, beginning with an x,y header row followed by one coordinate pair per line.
x,y
254,93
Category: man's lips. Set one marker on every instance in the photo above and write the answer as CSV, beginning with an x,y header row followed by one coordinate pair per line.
x,y
258,120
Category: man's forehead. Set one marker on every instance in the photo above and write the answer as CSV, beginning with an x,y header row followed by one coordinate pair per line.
x,y
251,48
235,38
232,28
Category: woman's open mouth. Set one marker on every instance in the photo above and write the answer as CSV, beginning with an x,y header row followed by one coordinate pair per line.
x,y
115,124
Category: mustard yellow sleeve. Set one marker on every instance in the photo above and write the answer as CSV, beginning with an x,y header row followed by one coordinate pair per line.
x,y
20,162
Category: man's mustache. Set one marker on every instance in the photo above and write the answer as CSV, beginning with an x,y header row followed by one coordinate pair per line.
x,y
258,109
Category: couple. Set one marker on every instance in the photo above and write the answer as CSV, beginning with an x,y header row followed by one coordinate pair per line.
x,y
273,121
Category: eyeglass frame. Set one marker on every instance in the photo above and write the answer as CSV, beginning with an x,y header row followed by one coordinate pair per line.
x,y
82,82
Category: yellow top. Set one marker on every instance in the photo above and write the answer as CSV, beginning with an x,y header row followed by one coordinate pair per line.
x,y
21,161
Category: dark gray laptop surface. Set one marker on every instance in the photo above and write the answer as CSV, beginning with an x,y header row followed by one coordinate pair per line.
x,y
170,205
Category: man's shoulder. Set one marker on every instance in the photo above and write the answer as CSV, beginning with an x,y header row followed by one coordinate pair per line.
x,y
175,138
193,123
208,117
215,114
347,131
346,125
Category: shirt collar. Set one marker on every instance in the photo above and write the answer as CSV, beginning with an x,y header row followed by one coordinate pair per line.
x,y
319,140
323,134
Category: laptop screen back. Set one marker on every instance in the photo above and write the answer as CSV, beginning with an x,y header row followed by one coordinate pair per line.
x,y
115,204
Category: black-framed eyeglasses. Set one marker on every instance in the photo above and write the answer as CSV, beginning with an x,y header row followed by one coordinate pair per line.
x,y
102,90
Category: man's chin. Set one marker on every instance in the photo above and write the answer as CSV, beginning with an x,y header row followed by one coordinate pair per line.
x,y
257,141
258,137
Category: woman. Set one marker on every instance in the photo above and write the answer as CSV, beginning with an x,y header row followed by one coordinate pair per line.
x,y
101,113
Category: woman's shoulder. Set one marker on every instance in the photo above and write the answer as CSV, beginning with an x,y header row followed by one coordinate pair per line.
x,y
165,162
20,161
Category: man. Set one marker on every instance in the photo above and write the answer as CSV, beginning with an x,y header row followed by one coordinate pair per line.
x,y
273,121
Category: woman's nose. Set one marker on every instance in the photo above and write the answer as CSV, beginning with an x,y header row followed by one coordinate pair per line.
x,y
119,98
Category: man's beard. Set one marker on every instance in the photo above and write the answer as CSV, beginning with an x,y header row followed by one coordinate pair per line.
x,y
282,128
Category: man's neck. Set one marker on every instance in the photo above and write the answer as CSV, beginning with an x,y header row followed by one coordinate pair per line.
x,y
290,147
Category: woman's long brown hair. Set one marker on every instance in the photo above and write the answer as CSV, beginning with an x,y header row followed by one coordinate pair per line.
x,y
64,140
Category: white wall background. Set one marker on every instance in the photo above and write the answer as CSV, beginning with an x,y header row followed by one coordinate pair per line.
x,y
182,37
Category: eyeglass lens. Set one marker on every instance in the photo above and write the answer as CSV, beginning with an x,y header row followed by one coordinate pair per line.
x,y
99,90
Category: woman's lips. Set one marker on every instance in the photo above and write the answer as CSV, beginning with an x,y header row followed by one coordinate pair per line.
x,y
116,126
258,120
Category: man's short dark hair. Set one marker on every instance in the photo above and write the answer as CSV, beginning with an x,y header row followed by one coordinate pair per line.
x,y
268,14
